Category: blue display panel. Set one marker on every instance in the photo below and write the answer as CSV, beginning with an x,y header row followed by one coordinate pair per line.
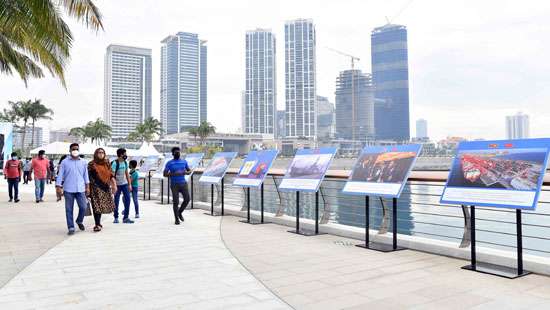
x,y
217,167
255,168
307,169
382,170
193,161
501,173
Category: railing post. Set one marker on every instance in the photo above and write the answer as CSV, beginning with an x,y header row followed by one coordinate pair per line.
x,y
262,203
519,236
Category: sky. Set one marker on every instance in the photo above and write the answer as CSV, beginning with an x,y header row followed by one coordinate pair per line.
x,y
471,63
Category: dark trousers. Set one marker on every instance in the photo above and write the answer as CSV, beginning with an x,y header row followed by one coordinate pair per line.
x,y
176,190
97,219
135,192
26,175
13,188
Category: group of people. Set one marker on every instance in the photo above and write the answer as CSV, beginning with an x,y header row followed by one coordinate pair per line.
x,y
99,182
39,166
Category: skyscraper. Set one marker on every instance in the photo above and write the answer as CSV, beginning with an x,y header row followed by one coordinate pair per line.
x,y
421,128
362,109
325,118
517,126
127,94
260,93
390,74
183,82
300,79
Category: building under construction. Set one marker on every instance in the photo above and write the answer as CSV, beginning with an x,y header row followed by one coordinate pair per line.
x,y
354,106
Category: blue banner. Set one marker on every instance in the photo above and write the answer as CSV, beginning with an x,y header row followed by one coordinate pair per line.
x,y
382,170
499,173
307,169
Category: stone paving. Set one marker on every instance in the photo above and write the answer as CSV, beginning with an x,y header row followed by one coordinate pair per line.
x,y
329,272
151,264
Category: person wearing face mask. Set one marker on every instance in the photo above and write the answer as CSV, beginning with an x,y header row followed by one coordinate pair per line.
x,y
73,183
176,169
12,172
41,168
122,178
102,187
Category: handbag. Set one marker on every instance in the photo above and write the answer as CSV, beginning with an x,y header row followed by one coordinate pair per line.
x,y
88,208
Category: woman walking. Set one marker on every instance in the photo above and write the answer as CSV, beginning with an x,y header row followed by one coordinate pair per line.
x,y
102,186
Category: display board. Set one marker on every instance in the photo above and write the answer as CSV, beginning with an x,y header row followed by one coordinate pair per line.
x,y
148,163
159,174
502,173
193,161
255,168
217,167
6,141
307,169
382,170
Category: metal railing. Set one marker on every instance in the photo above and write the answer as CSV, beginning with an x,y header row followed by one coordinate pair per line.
x,y
419,212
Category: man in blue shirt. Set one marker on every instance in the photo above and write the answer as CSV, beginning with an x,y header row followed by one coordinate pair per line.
x,y
73,183
176,169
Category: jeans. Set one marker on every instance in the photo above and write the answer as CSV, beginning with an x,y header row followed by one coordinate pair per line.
x,y
13,186
39,188
126,200
69,205
135,192
26,175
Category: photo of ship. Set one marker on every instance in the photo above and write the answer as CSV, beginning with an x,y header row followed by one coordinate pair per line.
x,y
218,165
386,167
308,166
514,169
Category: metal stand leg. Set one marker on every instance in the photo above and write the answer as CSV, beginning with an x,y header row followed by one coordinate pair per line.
x,y
149,185
367,224
212,213
192,192
222,198
316,213
162,191
168,191
496,270
303,232
144,185
381,247
249,219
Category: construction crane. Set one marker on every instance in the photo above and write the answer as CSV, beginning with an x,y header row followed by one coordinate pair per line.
x,y
353,60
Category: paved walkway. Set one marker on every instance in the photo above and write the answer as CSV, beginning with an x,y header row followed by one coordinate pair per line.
x,y
151,264
329,272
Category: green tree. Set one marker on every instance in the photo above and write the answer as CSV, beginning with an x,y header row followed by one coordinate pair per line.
x,y
195,133
22,112
146,131
34,36
38,112
205,130
79,133
97,131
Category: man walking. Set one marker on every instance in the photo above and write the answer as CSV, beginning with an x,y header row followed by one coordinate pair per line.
x,y
27,171
122,177
12,172
73,183
40,166
176,169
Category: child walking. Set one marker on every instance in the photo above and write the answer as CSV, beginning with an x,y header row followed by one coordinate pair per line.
x,y
134,177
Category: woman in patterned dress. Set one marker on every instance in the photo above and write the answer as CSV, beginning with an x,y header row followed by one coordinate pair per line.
x,y
102,186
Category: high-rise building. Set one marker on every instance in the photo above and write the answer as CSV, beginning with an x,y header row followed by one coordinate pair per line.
x,y
280,117
30,141
390,74
260,93
517,126
61,135
421,128
354,106
183,82
325,118
300,79
127,95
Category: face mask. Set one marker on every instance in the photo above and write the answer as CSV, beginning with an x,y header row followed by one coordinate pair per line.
x,y
177,155
124,157
14,157
74,153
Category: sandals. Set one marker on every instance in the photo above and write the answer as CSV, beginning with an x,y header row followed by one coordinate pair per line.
x,y
97,228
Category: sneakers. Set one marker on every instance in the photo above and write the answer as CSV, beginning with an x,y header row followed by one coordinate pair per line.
x,y
37,200
177,222
16,200
81,226
127,221
137,216
71,232
116,220
10,200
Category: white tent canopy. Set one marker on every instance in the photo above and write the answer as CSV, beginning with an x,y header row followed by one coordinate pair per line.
x,y
146,149
62,148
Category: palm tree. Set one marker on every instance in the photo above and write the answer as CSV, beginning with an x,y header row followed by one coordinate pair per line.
x,y
34,36
38,112
194,132
204,130
79,133
97,131
22,111
146,131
